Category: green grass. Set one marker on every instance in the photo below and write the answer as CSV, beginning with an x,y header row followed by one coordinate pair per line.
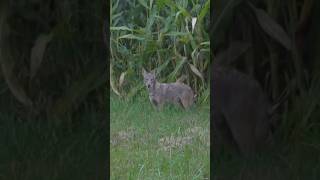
x,y
150,144
31,150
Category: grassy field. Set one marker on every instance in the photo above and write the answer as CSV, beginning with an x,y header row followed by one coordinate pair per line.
x,y
147,144
31,150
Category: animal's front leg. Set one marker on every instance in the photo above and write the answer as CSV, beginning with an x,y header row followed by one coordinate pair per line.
x,y
156,105
159,106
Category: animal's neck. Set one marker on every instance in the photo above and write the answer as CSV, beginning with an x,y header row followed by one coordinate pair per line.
x,y
154,88
156,85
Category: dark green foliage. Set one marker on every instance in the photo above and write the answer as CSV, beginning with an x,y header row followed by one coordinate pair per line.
x,y
275,42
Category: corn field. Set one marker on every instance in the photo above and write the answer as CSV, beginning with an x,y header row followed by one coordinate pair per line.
x,y
169,36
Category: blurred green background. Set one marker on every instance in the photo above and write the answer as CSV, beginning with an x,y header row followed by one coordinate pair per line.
x,y
53,79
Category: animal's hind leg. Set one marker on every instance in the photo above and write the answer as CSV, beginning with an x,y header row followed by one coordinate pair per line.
x,y
179,102
185,103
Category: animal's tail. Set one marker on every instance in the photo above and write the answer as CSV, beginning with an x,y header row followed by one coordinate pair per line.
x,y
195,97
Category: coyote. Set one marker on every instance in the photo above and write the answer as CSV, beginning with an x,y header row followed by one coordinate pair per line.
x,y
241,111
176,93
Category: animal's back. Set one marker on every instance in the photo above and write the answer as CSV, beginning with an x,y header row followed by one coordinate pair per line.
x,y
177,92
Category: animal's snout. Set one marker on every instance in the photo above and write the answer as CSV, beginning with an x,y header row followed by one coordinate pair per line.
x,y
148,86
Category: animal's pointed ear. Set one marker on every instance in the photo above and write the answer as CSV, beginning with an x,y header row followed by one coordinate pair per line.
x,y
153,72
144,71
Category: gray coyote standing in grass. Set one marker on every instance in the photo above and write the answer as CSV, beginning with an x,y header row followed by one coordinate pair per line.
x,y
176,93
